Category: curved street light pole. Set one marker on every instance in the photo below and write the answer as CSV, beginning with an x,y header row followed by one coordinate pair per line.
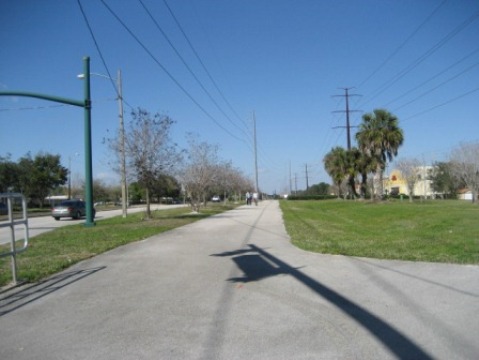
x,y
86,105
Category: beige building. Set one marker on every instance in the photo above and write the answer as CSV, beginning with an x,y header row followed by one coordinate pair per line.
x,y
395,184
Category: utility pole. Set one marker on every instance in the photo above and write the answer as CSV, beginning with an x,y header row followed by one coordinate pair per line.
x,y
69,177
307,178
347,111
290,180
122,147
255,154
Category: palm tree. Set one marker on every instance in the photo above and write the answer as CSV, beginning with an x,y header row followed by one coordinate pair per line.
x,y
354,167
366,165
336,163
379,137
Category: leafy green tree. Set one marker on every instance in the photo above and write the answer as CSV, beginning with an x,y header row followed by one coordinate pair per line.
x,y
136,193
38,176
318,189
166,186
380,137
101,192
444,181
9,174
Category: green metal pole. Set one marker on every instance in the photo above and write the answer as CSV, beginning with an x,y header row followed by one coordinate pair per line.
x,y
80,103
86,104
88,152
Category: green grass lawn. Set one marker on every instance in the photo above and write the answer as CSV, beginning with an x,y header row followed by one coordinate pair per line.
x,y
54,251
435,231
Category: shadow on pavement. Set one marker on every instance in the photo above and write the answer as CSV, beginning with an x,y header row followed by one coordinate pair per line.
x,y
258,264
15,298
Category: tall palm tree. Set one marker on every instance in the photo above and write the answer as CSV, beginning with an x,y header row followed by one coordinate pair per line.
x,y
354,167
366,165
336,164
379,137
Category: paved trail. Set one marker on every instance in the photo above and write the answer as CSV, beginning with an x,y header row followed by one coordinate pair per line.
x,y
233,287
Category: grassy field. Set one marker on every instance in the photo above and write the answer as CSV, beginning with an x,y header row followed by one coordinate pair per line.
x,y
51,252
434,231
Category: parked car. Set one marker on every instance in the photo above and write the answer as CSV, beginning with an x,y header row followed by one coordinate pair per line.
x,y
3,209
70,208
216,198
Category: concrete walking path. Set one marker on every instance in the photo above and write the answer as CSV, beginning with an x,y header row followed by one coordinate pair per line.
x,y
233,287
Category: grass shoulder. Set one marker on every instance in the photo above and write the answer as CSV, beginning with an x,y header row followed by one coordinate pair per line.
x,y
433,231
56,250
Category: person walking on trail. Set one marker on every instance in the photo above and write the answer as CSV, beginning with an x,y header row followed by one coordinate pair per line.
x,y
248,198
255,198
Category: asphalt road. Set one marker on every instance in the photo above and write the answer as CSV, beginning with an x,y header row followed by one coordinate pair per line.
x,y
41,224
233,287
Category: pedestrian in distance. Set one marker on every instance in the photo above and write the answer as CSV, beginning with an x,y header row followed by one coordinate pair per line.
x,y
255,198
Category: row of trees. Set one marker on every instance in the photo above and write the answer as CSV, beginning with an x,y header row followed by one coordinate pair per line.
x,y
204,174
151,155
43,175
379,138
156,168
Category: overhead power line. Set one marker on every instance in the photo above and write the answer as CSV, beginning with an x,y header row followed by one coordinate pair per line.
x,y
172,78
97,46
432,77
157,25
398,76
92,34
403,43
203,64
259,151
444,103
416,98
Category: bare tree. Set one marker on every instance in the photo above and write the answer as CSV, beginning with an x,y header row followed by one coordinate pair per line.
x,y
149,150
409,171
231,181
465,165
200,171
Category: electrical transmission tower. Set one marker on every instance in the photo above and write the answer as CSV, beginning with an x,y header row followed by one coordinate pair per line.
x,y
347,111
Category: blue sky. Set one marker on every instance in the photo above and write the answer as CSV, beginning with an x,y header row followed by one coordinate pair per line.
x,y
283,61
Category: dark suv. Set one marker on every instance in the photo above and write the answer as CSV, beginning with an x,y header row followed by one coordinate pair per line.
x,y
70,208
